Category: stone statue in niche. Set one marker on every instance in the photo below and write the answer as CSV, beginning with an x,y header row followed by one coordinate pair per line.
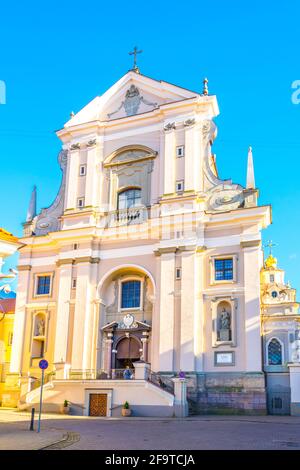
x,y
41,327
224,325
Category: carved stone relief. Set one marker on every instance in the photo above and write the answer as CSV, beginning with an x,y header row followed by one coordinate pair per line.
x,y
48,219
132,102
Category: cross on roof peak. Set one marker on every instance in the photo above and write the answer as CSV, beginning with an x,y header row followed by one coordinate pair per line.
x,y
134,53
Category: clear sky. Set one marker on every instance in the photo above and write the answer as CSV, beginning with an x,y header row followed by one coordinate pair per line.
x,y
56,56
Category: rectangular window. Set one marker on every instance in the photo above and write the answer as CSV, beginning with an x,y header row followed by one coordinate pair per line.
x,y
131,294
43,285
271,277
224,269
180,151
178,273
80,202
82,170
74,283
179,186
75,246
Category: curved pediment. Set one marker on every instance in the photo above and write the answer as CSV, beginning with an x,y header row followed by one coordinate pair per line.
x,y
130,154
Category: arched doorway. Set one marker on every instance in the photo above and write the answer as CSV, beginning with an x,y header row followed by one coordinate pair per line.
x,y
128,352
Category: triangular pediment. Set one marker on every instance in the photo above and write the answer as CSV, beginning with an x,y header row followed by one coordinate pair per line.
x,y
132,94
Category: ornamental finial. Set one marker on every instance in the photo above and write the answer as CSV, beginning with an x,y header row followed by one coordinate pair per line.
x,y
271,261
72,114
205,87
250,184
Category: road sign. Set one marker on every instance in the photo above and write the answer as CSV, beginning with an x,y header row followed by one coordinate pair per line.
x,y
43,364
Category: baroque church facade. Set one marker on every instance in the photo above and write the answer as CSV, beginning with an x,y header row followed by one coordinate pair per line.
x,y
146,256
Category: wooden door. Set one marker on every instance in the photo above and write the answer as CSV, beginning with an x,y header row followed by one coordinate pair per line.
x,y
98,404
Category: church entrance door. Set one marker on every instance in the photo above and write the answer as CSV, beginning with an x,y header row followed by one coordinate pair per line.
x,y
128,352
98,404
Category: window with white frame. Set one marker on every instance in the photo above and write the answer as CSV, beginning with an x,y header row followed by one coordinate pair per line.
x,y
80,202
179,186
178,273
82,170
180,151
43,284
131,294
223,269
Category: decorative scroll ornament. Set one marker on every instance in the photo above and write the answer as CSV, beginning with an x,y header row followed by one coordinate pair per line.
x,y
132,102
226,198
189,122
170,126
91,143
48,219
75,146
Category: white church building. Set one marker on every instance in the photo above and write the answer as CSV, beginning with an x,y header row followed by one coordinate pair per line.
x,y
146,259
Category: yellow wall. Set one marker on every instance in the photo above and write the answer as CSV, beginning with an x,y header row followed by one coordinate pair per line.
x,y
6,331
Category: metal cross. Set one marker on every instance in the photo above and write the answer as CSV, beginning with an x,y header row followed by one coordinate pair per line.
x,y
134,53
270,245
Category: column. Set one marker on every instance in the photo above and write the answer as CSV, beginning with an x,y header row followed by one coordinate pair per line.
x,y
199,308
109,343
64,273
189,159
20,319
82,310
90,317
145,347
72,179
252,307
166,309
92,186
188,310
169,162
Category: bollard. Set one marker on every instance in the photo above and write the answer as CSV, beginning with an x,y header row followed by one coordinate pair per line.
x,y
32,420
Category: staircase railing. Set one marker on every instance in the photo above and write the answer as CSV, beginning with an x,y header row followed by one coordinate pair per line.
x,y
164,382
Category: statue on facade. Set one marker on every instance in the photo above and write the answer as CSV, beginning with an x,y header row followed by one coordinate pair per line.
x,y
41,327
224,329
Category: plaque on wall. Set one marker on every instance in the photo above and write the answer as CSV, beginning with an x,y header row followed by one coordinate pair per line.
x,y
225,358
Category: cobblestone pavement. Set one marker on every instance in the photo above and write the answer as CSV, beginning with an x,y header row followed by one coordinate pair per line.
x,y
199,432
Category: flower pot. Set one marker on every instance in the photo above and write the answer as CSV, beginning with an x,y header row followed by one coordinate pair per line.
x,y
65,410
126,411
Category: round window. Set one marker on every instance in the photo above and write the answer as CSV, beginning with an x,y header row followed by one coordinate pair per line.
x,y
274,294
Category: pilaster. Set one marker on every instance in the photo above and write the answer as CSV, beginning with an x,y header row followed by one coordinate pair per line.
x,y
166,308
188,310
82,316
251,257
72,179
20,320
63,312
169,161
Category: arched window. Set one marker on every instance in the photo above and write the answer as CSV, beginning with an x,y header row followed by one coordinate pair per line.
x,y
131,294
129,198
274,352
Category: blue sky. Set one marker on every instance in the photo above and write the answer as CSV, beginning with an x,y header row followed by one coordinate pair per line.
x,y
55,57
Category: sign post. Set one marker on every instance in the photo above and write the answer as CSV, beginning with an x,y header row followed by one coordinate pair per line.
x,y
43,364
